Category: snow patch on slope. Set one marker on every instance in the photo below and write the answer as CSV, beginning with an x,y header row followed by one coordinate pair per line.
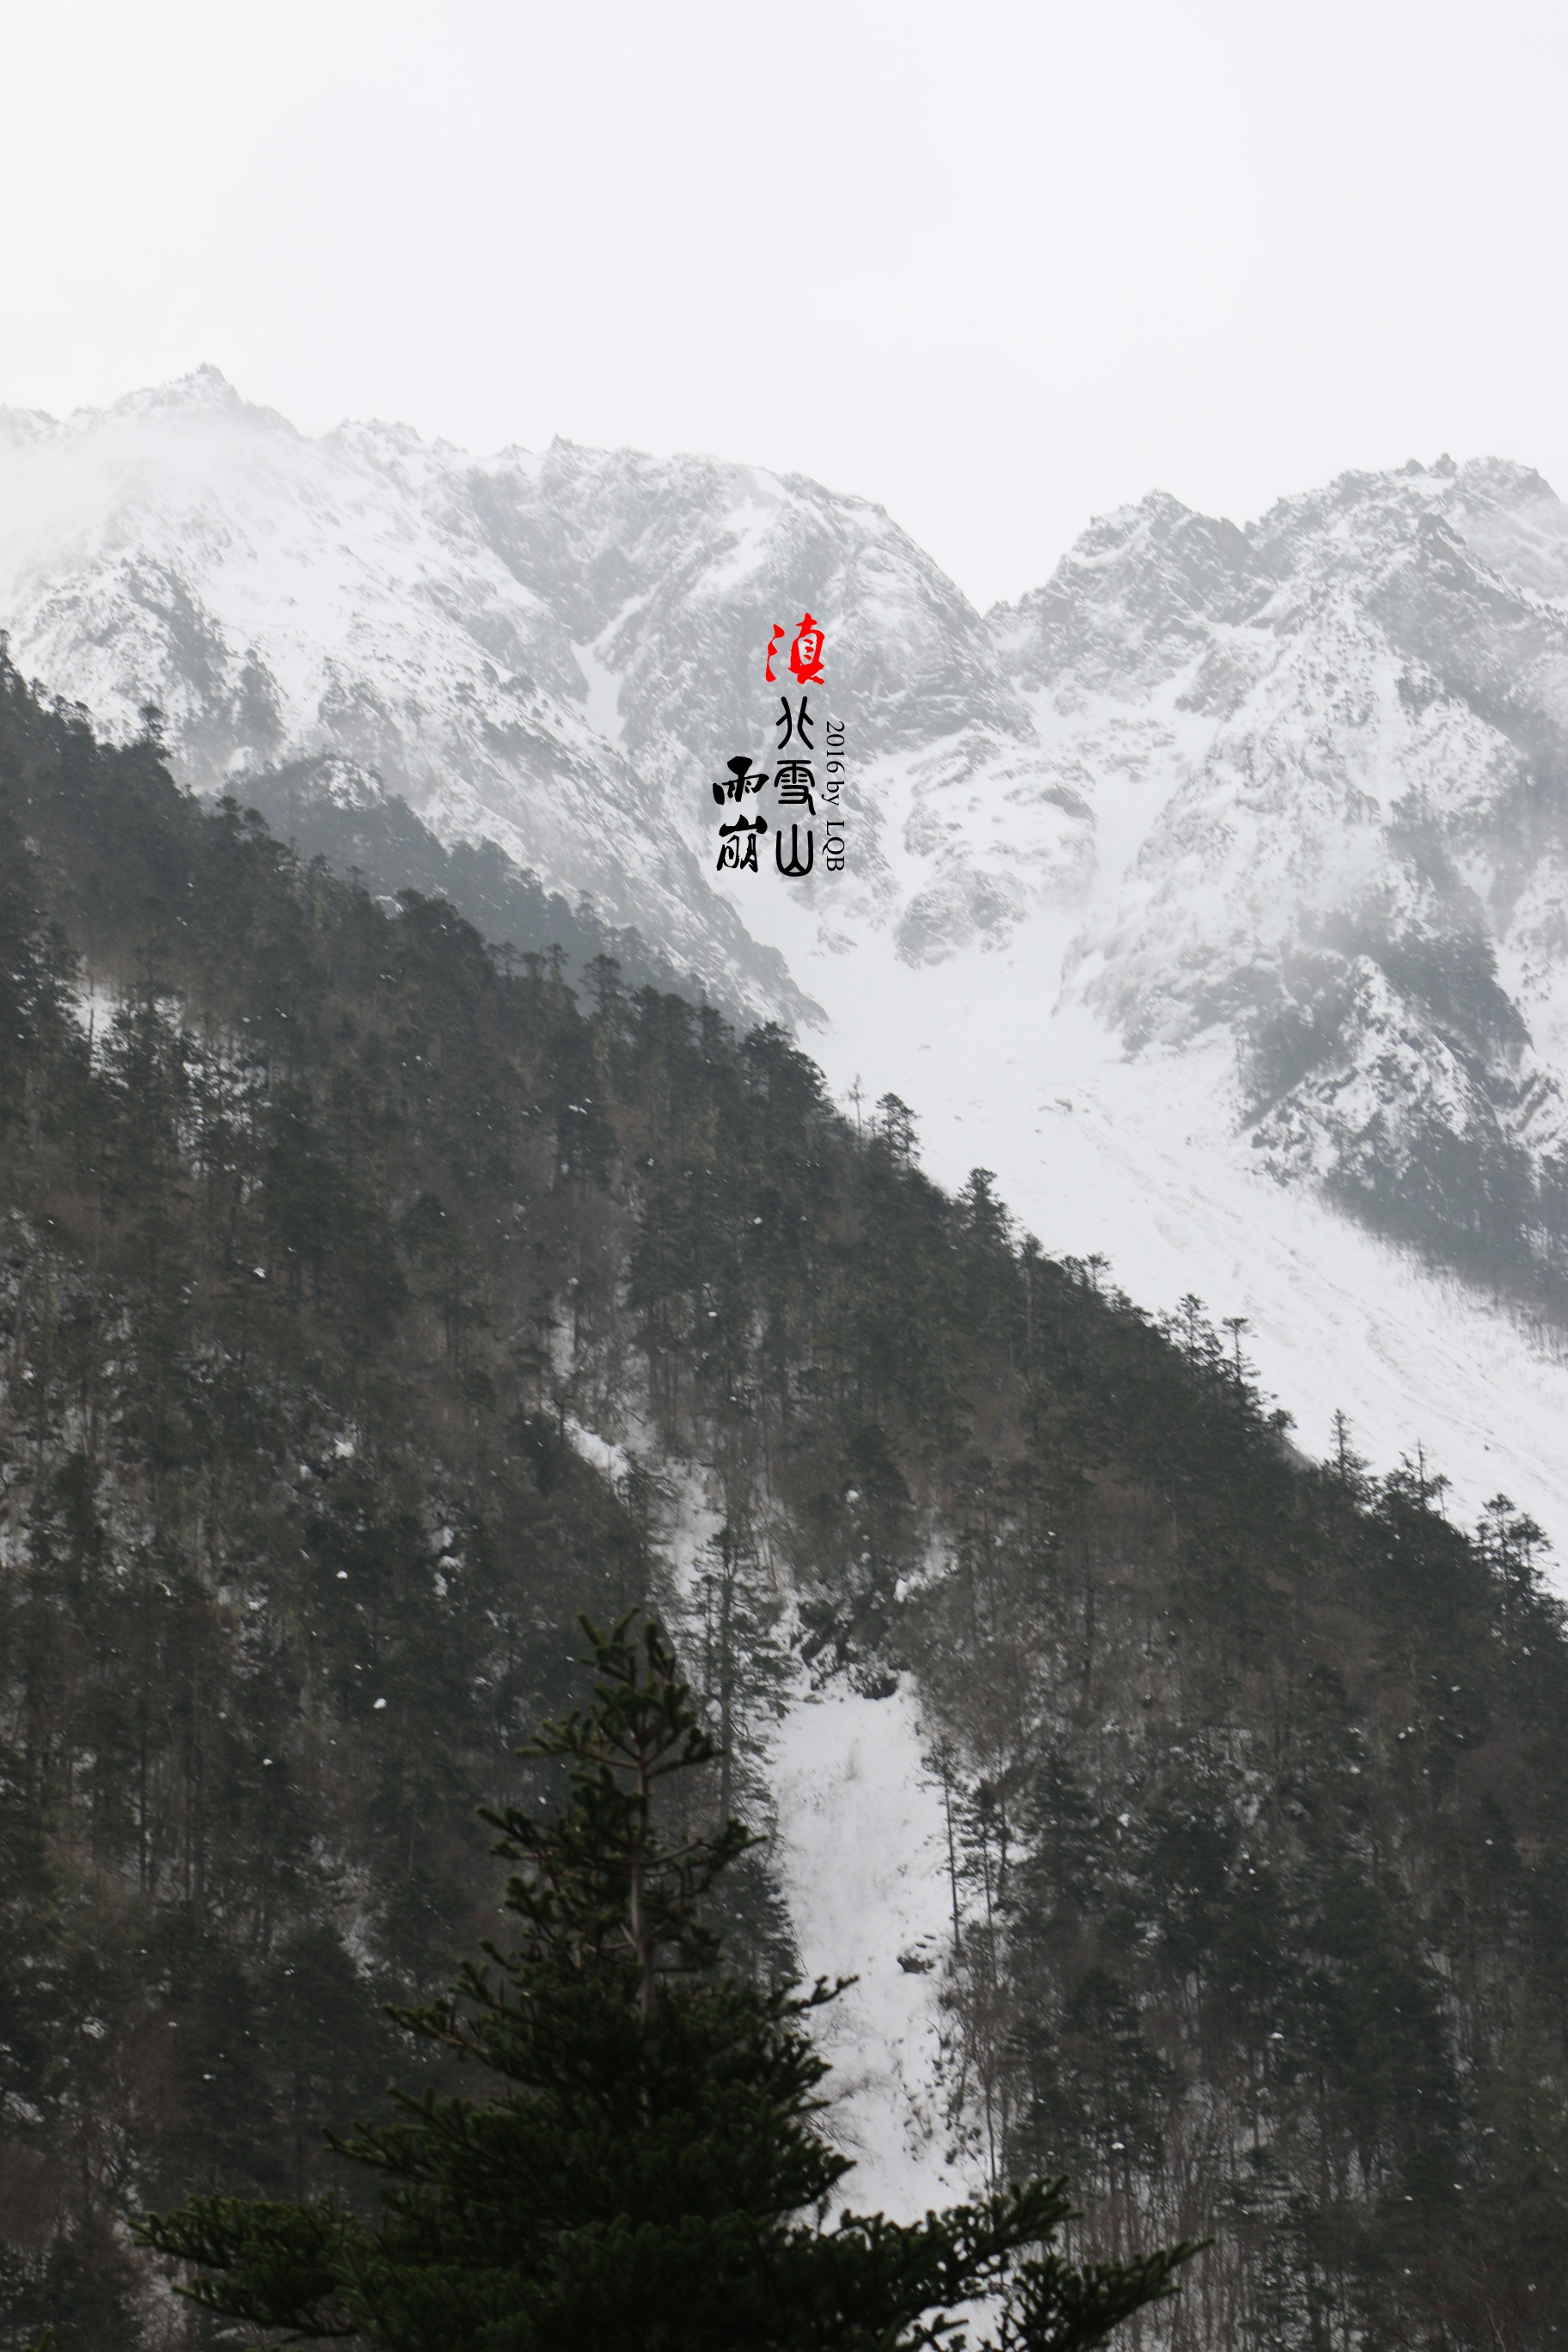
x,y
860,1853
862,1859
1138,1158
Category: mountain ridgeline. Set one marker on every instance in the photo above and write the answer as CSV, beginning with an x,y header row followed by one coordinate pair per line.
x,y
322,810
1301,785
366,1305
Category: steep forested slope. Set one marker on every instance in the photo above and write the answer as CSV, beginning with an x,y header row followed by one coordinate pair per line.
x,y
325,808
327,1236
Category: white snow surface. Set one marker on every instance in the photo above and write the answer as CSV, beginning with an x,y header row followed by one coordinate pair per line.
x,y
353,598
862,1861
859,1851
1136,1158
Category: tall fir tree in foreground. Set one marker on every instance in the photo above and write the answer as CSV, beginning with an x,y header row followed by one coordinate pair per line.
x,y
649,2173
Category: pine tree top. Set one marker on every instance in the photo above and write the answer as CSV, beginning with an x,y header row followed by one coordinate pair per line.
x,y
648,2171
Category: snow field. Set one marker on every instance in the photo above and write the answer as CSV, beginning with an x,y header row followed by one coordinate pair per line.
x,y
1138,1159
862,1857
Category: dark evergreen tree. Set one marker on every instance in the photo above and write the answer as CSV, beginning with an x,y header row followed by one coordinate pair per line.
x,y
650,2171
324,1234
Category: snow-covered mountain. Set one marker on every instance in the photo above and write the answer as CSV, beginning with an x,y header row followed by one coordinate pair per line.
x,y
1352,720
1220,879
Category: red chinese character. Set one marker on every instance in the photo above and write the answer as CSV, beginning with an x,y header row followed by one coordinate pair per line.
x,y
806,654
772,643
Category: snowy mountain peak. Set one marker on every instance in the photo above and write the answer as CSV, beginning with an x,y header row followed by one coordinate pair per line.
x,y
202,397
1259,830
1126,606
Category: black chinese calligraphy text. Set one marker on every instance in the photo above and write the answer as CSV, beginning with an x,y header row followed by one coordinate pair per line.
x,y
738,843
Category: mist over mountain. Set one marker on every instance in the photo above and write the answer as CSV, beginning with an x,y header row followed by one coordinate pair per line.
x,y
1347,728
328,808
1252,837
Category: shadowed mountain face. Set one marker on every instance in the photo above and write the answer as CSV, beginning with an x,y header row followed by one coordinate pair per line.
x,y
1304,781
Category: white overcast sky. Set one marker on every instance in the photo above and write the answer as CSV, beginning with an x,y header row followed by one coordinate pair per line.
x,y
998,267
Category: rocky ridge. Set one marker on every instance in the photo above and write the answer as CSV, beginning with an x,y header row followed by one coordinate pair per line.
x,y
1302,783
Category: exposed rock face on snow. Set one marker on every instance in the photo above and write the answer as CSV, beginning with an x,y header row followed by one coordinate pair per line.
x,y
283,599
1248,842
552,651
1346,728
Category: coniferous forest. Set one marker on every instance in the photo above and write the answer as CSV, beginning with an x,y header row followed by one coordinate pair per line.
x,y
326,1233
